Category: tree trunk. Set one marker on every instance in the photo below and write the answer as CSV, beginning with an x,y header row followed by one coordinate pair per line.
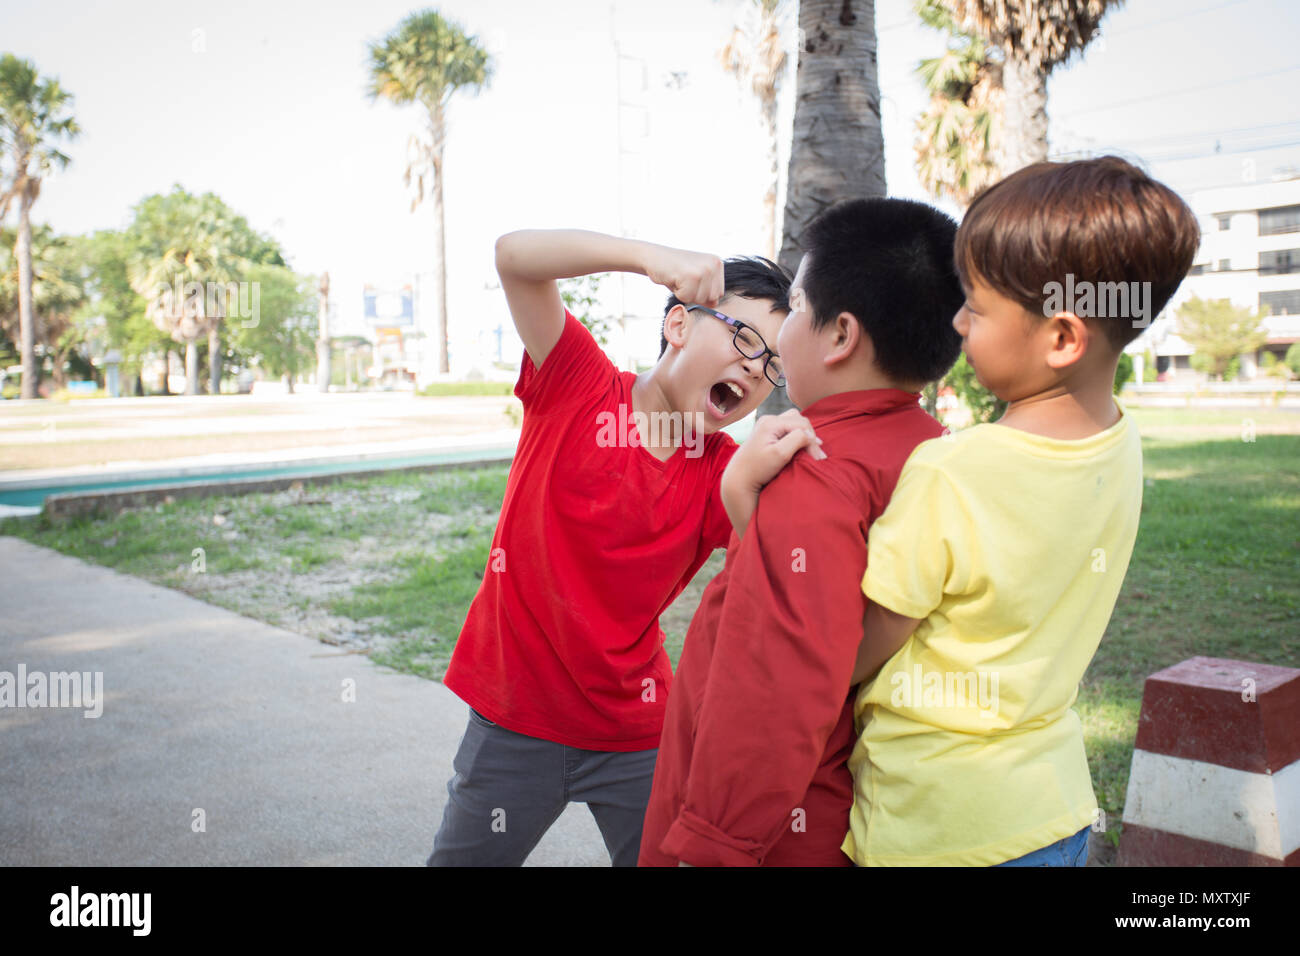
x,y
440,273
192,367
57,373
438,130
774,178
214,360
930,399
838,151
1024,116
26,323
323,336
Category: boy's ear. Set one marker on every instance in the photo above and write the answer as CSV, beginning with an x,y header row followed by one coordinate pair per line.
x,y
675,326
845,333
1068,337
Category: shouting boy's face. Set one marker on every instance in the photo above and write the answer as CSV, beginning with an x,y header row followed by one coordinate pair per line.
x,y
711,377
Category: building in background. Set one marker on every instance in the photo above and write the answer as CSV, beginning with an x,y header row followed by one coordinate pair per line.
x,y
391,315
1249,254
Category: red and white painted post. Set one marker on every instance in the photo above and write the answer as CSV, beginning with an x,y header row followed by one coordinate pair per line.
x,y
1216,768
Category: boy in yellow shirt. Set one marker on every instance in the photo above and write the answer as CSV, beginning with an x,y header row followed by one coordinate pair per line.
x,y
994,571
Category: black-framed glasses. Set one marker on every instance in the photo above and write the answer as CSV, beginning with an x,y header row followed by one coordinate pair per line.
x,y
749,344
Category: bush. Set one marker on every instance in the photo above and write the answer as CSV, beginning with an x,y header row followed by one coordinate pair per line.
x,y
64,395
581,295
1292,360
434,389
1123,371
1206,365
1272,368
984,405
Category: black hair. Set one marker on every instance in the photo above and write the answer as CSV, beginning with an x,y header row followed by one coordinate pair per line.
x,y
746,277
889,262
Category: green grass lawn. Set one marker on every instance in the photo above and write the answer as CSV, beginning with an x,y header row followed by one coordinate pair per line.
x,y
1215,573
1216,569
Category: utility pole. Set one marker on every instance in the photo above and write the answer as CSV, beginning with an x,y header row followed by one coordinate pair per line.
x,y
630,101
323,336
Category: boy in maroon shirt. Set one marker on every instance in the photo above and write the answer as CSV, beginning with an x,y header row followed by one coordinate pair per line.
x,y
752,766
611,506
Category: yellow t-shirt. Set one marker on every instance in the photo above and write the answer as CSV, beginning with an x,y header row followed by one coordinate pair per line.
x,y
1012,548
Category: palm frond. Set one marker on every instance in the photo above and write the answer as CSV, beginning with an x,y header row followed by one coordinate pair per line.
x,y
1042,33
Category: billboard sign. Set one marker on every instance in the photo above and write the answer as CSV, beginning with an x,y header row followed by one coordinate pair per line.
x,y
389,307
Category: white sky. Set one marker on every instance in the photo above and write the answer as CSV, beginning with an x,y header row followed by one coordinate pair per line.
x,y
265,107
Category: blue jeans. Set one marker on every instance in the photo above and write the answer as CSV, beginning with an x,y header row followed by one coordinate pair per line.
x,y
1072,851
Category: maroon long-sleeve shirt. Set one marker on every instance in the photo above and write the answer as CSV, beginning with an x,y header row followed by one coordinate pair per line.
x,y
752,766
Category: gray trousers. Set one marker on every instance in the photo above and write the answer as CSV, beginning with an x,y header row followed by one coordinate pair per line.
x,y
509,788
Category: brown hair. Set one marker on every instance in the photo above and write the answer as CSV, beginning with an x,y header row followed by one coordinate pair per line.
x,y
1099,221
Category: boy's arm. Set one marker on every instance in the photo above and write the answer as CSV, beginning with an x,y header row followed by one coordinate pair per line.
x,y
912,562
884,632
775,440
530,261
786,641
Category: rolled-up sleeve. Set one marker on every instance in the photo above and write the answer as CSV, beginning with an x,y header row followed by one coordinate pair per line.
x,y
787,640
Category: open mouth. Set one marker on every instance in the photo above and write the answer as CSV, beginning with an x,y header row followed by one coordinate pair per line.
x,y
724,398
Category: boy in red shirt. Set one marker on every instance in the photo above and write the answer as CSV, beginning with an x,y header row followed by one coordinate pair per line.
x,y
752,766
611,506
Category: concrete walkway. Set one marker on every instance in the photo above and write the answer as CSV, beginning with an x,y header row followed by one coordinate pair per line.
x,y
205,710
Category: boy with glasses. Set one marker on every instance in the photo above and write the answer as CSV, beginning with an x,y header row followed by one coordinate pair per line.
x,y
604,521
749,344
752,766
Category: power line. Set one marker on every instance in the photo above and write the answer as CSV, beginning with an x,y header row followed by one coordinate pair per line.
x,y
1180,16
1190,89
912,22
1176,157
1188,150
1202,134
1181,158
1097,150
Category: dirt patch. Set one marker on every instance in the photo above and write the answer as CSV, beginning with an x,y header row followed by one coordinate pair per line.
x,y
298,551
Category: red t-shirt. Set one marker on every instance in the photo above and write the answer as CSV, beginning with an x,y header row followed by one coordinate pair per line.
x,y
753,764
596,538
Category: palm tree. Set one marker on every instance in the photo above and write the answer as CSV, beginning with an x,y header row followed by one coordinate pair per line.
x,y
58,293
756,54
185,246
958,136
425,60
1035,36
957,142
31,119
838,150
